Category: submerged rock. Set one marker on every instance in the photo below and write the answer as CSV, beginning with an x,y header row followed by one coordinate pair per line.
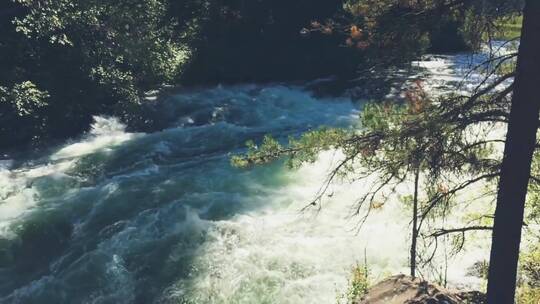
x,y
402,289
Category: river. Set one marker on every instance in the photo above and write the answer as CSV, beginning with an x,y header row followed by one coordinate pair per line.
x,y
119,217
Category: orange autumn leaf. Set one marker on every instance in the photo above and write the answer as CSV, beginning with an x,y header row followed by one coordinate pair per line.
x,y
443,189
356,33
377,205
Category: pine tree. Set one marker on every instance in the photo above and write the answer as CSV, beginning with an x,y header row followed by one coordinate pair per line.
x,y
516,164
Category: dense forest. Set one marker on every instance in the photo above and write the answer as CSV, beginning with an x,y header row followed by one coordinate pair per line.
x,y
123,130
64,61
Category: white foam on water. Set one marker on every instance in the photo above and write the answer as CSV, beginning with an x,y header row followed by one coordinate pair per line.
x,y
283,255
454,73
120,284
276,254
105,133
18,195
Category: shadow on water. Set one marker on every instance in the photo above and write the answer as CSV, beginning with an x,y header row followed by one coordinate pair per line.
x,y
123,223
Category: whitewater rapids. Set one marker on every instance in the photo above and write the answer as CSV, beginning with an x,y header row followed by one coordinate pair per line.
x,y
119,217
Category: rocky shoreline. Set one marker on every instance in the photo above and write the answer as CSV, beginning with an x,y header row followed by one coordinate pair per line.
x,y
402,289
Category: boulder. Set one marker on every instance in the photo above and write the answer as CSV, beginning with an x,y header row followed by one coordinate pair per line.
x,y
402,289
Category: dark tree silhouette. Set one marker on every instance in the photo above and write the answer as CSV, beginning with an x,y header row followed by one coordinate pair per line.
x,y
516,165
415,231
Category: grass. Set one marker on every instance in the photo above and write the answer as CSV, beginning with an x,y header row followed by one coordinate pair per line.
x,y
529,289
358,285
528,295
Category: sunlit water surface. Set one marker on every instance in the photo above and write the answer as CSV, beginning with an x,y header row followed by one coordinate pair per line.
x,y
118,217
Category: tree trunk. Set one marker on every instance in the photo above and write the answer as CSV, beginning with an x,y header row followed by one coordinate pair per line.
x,y
516,165
414,224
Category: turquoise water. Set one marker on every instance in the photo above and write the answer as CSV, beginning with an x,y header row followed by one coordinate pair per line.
x,y
118,217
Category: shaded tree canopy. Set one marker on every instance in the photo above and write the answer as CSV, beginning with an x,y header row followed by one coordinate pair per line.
x,y
75,59
80,58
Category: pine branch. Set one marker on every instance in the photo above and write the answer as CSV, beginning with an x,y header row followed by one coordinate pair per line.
x,y
443,231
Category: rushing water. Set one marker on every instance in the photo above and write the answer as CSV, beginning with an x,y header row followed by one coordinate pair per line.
x,y
118,217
